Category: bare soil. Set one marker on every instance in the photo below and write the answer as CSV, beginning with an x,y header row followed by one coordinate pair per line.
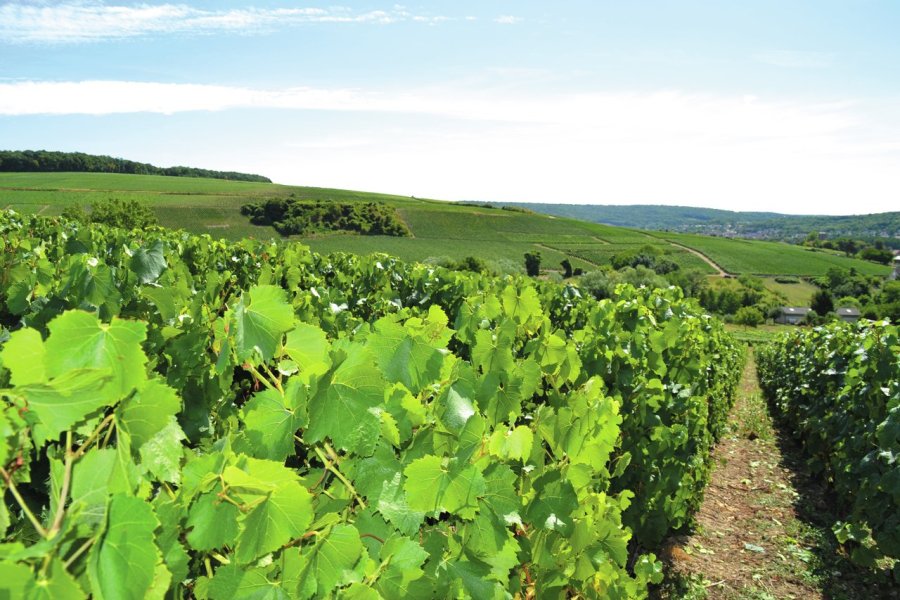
x,y
764,528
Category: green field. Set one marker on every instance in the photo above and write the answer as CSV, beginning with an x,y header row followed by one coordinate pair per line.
x,y
770,258
440,229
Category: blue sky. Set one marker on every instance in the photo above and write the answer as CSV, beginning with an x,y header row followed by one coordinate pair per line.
x,y
787,106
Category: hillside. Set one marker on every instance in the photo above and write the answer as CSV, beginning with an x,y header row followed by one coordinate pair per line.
x,y
439,229
711,221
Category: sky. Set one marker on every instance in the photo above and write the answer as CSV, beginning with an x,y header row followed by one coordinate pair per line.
x,y
769,105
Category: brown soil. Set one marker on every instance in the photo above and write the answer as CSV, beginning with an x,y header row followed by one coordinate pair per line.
x,y
763,530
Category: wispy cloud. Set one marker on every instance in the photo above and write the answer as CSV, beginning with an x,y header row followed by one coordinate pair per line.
x,y
75,22
795,59
649,147
628,115
508,20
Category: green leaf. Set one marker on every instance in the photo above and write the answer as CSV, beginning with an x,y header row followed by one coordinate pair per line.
x,y
342,409
358,591
308,347
554,502
392,504
404,358
500,493
78,340
163,299
162,454
212,523
121,565
148,411
285,514
437,485
24,356
67,399
58,585
149,264
271,419
512,445
95,477
232,582
472,577
13,580
262,317
334,557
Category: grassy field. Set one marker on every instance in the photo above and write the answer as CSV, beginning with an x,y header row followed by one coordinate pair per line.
x,y
797,294
770,258
440,229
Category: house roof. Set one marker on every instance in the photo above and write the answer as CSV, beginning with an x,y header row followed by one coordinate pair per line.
x,y
848,311
794,310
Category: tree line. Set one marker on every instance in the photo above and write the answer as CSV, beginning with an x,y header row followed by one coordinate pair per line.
x,y
44,161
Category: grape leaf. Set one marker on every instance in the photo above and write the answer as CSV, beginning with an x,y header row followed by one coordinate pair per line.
x,y
404,358
148,411
271,419
284,515
308,347
213,523
435,485
333,558
122,563
24,356
232,582
262,317
392,504
67,399
78,340
162,454
149,264
341,408
512,445
58,585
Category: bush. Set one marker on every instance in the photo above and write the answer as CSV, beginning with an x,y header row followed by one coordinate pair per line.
x,y
533,263
127,214
599,284
822,302
748,315
290,216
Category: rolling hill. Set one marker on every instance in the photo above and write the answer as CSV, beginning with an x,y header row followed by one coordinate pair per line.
x,y
439,229
711,221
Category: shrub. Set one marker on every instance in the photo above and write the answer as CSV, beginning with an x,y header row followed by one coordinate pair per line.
x,y
748,315
533,263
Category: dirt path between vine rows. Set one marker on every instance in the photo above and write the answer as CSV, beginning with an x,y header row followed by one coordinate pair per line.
x,y
763,530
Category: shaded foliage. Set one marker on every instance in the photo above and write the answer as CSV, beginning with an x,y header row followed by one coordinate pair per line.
x,y
44,161
290,216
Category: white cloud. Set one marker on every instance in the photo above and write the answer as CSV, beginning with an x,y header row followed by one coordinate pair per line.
x,y
495,144
508,20
794,59
73,22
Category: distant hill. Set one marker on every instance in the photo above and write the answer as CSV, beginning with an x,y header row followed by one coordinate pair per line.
x,y
440,230
710,221
44,161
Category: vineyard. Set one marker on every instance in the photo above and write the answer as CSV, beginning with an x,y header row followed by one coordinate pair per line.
x,y
838,389
185,416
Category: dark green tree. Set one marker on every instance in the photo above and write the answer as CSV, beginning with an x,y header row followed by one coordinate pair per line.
x,y
822,303
533,263
567,268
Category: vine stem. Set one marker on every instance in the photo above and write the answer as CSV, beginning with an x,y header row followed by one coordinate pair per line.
x,y
275,380
93,437
340,476
64,492
262,378
79,552
15,492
